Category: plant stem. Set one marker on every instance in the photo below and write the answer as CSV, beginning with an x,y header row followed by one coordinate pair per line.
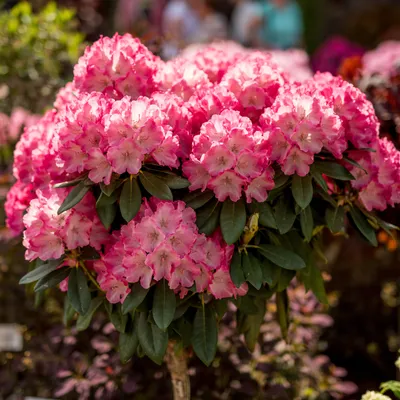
x,y
177,366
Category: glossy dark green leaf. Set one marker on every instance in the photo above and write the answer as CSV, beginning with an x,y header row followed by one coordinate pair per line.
x,y
232,220
164,305
284,215
176,182
155,186
252,270
89,253
314,281
130,200
115,183
266,215
334,218
247,304
221,307
83,321
207,217
74,197
250,324
152,339
280,179
40,271
118,319
205,334
69,311
270,272
282,312
134,298
237,274
185,330
333,170
52,279
325,196
107,214
317,176
307,223
355,164
71,183
282,257
285,277
198,199
105,200
363,225
78,291
302,190
128,343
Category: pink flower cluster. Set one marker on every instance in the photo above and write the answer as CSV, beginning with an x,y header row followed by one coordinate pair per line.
x,y
324,112
228,157
118,66
162,242
48,235
384,60
379,180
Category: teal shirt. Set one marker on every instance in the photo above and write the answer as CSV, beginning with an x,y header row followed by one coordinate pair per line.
x,y
282,28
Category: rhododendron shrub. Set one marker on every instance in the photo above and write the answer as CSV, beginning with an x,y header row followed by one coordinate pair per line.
x,y
161,191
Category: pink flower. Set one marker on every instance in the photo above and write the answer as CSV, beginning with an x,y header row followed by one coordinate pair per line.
x,y
228,184
162,260
126,157
136,269
100,169
183,274
297,162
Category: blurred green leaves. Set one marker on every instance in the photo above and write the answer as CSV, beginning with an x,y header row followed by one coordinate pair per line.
x,y
37,52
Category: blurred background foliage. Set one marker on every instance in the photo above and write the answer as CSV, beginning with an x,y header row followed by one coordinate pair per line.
x,y
37,52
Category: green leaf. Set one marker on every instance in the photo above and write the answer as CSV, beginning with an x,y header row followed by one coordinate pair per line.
x,y
335,219
252,270
266,215
392,386
282,257
78,291
198,199
285,277
270,273
89,253
221,307
282,312
130,200
232,220
116,317
317,176
74,182
69,312
363,225
153,340
280,179
208,217
333,170
314,281
40,272
83,321
237,274
106,214
134,298
155,186
325,196
302,190
184,329
307,223
74,197
247,304
128,343
355,164
164,305
52,279
284,215
176,182
205,335
250,324
115,183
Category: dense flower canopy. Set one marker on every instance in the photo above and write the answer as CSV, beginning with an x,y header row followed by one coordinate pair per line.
x,y
230,120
